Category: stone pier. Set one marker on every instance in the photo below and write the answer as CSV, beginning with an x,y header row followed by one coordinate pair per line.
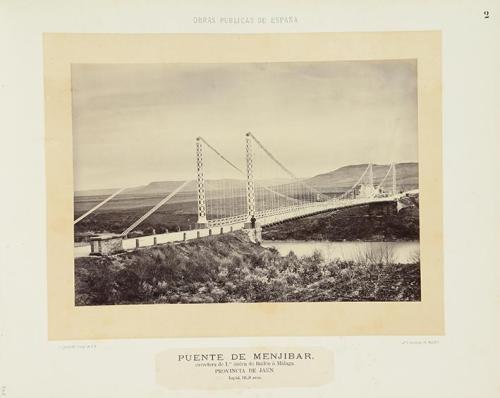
x,y
105,245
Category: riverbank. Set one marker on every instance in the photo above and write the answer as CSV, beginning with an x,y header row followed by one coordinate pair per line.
x,y
351,224
230,268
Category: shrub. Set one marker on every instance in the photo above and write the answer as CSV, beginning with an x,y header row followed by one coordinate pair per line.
x,y
231,269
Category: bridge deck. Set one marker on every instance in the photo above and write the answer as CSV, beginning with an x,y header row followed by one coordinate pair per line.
x,y
218,227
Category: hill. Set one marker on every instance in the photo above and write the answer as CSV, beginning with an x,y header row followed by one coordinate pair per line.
x,y
345,177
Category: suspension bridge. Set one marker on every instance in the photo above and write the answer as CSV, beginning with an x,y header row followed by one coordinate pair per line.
x,y
230,198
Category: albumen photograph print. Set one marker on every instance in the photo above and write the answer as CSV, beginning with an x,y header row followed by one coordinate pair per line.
x,y
245,182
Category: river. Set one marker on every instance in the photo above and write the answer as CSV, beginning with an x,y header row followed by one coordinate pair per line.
x,y
392,252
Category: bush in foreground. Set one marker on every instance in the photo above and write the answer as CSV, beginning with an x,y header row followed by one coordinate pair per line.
x,y
223,269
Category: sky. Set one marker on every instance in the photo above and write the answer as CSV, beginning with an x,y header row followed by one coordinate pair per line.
x,y
137,123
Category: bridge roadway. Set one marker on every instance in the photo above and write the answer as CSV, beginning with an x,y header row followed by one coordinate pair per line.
x,y
224,225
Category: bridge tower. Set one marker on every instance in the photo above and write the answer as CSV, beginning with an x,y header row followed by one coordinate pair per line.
x,y
394,184
250,179
202,205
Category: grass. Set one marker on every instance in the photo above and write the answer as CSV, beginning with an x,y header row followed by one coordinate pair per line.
x,y
229,268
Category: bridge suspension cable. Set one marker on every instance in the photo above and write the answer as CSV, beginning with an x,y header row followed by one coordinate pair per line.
x,y
285,169
350,190
156,207
385,177
392,168
98,205
221,155
221,200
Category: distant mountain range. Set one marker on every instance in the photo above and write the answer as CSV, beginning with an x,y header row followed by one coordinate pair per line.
x,y
338,180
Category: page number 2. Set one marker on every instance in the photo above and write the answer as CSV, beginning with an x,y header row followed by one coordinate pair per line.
x,y
486,14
